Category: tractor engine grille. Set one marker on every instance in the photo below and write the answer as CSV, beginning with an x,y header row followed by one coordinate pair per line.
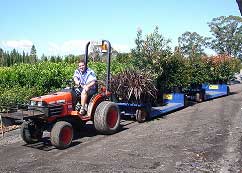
x,y
55,109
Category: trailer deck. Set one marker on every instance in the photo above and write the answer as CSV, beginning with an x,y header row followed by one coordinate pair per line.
x,y
215,90
171,102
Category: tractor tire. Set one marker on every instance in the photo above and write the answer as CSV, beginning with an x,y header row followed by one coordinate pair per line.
x,y
61,135
76,123
107,118
30,134
141,115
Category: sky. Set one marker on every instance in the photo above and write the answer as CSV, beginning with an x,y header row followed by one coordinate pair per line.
x,y
62,27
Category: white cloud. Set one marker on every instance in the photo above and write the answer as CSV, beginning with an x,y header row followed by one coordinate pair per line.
x,y
67,47
17,44
121,48
78,47
75,47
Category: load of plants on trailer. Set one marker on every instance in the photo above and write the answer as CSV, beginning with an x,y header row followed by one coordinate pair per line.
x,y
133,87
222,68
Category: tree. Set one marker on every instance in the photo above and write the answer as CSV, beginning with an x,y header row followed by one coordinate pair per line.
x,y
52,59
14,56
150,52
124,57
44,58
33,54
95,53
23,57
58,59
192,44
1,57
227,35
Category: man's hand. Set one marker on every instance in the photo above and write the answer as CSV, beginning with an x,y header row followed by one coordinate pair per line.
x,y
85,88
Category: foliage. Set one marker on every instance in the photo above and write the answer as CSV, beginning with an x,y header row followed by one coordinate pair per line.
x,y
222,68
150,52
134,87
16,96
33,54
227,35
176,73
192,44
199,70
124,57
43,77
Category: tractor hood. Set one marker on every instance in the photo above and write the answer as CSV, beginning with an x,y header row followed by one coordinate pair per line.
x,y
58,97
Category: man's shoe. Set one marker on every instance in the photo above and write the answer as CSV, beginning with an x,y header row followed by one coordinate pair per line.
x,y
78,106
83,112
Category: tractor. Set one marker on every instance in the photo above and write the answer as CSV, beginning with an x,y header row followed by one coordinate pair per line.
x,y
57,112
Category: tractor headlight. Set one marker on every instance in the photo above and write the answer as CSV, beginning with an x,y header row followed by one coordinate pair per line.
x,y
40,103
32,103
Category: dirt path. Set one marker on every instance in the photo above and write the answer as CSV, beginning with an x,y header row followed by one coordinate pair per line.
x,y
205,137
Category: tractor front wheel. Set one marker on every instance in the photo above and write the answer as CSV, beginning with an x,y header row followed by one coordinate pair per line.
x,y
107,117
30,133
61,135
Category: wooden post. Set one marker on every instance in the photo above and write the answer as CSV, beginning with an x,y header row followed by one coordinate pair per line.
x,y
2,125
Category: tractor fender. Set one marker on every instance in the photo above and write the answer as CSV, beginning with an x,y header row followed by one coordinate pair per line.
x,y
94,102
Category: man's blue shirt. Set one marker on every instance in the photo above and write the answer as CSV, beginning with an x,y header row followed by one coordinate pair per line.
x,y
86,77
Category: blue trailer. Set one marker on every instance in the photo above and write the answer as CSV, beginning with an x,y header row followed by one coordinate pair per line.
x,y
215,90
143,112
206,91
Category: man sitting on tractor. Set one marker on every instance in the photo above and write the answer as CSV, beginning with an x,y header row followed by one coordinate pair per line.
x,y
85,79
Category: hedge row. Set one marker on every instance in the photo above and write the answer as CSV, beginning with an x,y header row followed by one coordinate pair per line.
x,y
21,82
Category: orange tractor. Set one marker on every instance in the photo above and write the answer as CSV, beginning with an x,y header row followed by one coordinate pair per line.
x,y
56,113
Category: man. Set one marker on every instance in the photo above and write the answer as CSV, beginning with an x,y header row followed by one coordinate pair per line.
x,y
85,79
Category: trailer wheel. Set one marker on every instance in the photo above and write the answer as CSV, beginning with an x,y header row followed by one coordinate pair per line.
x,y
185,101
61,135
29,133
107,117
141,115
199,97
228,90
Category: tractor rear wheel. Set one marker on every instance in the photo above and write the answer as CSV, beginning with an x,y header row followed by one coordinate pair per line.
x,y
29,133
107,117
141,115
61,135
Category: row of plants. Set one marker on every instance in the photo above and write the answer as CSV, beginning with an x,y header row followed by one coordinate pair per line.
x,y
176,74
177,70
183,72
21,82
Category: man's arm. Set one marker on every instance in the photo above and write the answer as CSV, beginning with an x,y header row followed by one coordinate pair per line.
x,y
89,85
91,81
76,81
76,78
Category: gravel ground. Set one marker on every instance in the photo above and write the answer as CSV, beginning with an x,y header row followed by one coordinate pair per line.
x,y
205,137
